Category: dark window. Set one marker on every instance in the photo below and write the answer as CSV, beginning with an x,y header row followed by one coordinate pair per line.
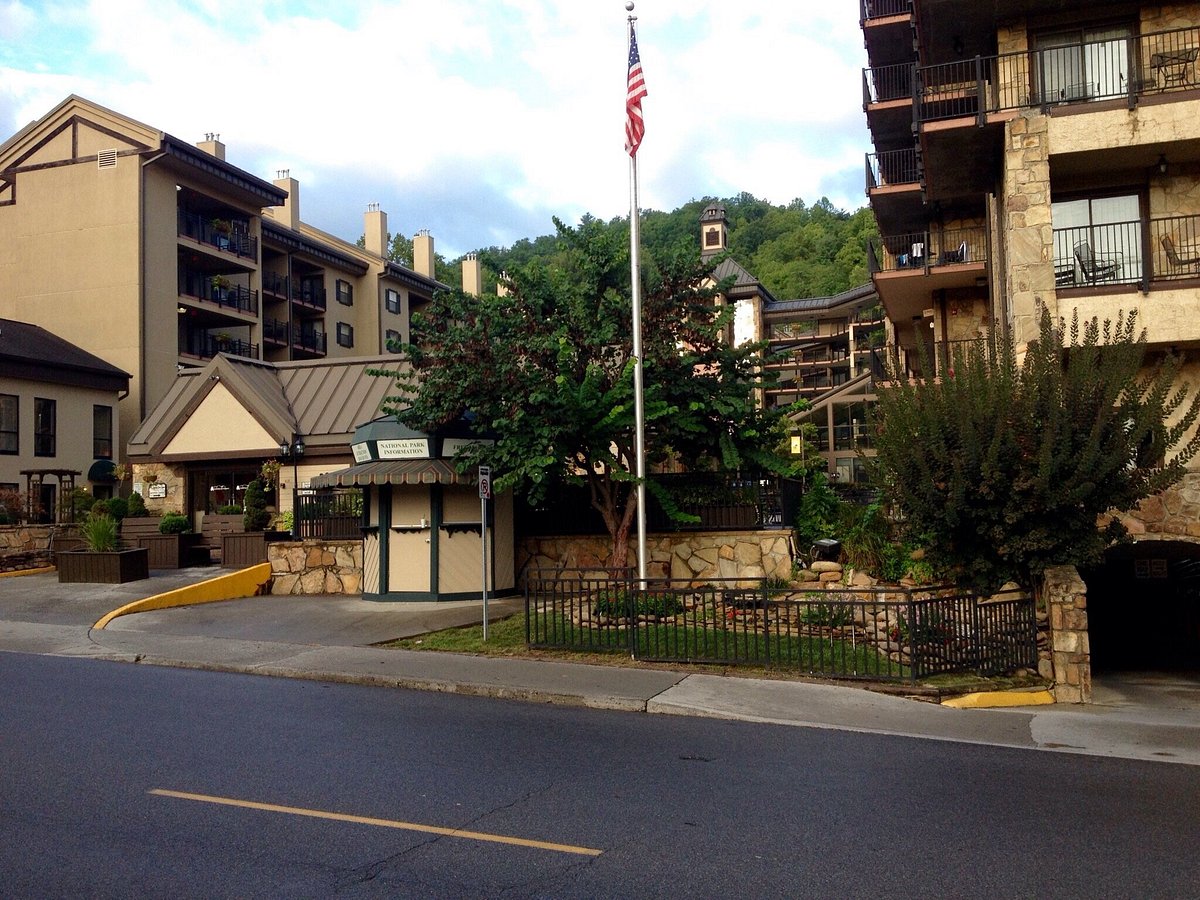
x,y
391,301
392,340
10,431
712,238
345,335
345,292
102,432
45,413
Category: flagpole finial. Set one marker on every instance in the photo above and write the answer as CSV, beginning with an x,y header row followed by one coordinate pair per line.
x,y
629,6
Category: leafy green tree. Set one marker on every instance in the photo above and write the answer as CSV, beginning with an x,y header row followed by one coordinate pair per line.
x,y
547,371
1006,468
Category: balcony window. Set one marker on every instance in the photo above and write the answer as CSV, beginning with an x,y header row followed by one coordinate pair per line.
x,y
345,293
1097,240
345,335
391,301
45,414
10,407
102,432
1083,63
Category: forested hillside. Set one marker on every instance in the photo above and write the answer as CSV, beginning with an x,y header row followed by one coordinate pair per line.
x,y
795,250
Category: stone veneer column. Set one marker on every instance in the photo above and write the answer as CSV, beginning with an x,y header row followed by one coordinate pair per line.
x,y
1065,596
1027,228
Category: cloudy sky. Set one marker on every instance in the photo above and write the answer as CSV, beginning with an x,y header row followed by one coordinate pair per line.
x,y
476,119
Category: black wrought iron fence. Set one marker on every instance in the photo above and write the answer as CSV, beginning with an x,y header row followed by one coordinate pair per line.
x,y
711,500
878,634
334,514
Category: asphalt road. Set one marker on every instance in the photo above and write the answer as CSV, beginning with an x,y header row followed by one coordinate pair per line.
x,y
122,780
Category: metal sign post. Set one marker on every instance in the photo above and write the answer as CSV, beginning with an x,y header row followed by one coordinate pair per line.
x,y
485,494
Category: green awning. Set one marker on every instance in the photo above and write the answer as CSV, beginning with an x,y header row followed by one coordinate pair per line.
x,y
408,471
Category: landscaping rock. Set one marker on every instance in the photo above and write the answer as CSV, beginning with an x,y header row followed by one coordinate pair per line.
x,y
823,566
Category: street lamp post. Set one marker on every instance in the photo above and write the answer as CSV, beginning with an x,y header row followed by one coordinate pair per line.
x,y
293,449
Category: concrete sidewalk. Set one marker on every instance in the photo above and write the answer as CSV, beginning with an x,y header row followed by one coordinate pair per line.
x,y
331,638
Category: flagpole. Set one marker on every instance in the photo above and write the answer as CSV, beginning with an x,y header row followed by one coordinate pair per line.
x,y
638,403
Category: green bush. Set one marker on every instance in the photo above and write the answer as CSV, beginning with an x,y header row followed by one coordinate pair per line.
x,y
174,523
256,518
136,505
624,603
230,509
100,532
831,615
118,508
81,501
865,535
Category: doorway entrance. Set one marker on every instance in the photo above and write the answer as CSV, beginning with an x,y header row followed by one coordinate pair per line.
x,y
1144,608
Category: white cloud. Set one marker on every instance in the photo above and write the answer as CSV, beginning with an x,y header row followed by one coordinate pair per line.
x,y
513,109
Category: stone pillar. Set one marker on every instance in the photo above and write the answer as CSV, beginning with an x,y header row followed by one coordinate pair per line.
x,y
1027,229
1065,596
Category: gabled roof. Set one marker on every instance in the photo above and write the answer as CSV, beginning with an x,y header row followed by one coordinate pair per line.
x,y
33,353
320,400
80,126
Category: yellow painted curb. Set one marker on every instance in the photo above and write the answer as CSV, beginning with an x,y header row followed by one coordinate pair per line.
x,y
234,586
989,699
18,572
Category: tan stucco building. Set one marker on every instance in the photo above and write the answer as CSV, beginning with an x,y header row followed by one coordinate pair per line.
x,y
157,254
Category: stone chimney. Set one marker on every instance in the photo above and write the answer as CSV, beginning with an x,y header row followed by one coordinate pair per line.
x,y
287,215
423,253
212,145
714,230
472,275
375,233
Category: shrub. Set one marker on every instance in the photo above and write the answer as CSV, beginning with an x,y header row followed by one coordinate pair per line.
x,y
136,505
81,501
831,615
118,508
230,509
99,532
625,603
256,517
174,523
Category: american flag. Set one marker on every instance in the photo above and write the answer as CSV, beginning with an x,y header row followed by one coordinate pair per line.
x,y
634,92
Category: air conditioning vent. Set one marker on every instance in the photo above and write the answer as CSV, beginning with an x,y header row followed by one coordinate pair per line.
x,y
106,159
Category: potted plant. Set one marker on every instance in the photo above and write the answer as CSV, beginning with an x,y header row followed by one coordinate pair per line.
x,y
102,561
248,547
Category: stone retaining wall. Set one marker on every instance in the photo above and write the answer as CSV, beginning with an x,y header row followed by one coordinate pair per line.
x,y
684,555
316,567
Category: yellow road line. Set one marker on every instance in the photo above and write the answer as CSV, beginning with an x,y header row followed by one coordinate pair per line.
x,y
381,823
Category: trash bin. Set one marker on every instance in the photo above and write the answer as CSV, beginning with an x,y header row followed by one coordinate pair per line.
x,y
826,548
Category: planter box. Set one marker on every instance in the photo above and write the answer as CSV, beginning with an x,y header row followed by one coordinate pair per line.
x,y
113,567
169,551
249,548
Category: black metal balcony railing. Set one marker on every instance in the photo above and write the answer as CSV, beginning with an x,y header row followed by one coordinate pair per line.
x,y
219,290
275,332
884,83
310,294
882,9
274,283
1126,67
1134,252
206,345
231,236
927,249
310,339
892,167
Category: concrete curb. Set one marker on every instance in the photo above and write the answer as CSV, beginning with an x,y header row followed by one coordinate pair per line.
x,y
994,699
234,586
